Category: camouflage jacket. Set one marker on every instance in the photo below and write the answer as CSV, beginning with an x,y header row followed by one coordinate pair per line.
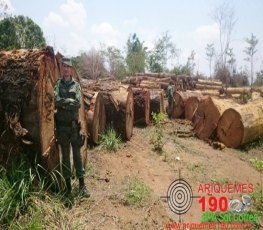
x,y
169,93
67,100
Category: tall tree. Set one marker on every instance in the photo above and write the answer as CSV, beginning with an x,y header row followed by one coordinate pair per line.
x,y
115,62
231,60
20,32
224,16
136,55
90,65
250,50
3,9
210,53
163,50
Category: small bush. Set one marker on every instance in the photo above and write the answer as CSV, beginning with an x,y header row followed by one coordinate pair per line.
x,y
110,141
258,164
157,136
137,192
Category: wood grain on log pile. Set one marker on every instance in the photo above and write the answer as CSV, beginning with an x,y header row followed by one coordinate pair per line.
x,y
180,99
141,99
241,124
207,115
191,106
27,109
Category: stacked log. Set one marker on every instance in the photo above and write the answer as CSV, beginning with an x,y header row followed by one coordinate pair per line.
x,y
207,116
119,107
94,114
180,99
141,100
157,103
161,81
27,109
240,125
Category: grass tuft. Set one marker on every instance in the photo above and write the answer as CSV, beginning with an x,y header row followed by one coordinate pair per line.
x,y
110,141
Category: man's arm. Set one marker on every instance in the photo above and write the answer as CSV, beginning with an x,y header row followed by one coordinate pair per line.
x,y
59,101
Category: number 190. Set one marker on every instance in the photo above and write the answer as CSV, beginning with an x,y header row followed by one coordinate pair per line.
x,y
214,203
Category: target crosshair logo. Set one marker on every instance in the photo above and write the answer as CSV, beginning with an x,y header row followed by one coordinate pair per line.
x,y
180,196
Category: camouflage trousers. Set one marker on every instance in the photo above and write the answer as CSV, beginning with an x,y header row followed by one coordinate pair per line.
x,y
68,138
170,109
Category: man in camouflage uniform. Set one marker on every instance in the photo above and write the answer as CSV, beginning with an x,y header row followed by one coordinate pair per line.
x,y
170,97
67,95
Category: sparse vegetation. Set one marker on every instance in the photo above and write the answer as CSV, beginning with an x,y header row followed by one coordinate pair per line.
x,y
110,141
137,192
157,136
258,164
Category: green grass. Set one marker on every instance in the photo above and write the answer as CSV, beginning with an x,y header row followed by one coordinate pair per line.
x,y
258,164
253,145
110,141
25,201
137,193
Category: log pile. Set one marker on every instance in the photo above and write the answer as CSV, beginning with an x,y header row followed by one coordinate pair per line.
x,y
119,105
161,81
180,99
240,125
207,116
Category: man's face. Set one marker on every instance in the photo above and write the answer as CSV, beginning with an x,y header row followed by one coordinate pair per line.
x,y
66,70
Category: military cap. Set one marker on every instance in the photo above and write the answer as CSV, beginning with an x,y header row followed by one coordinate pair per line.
x,y
66,61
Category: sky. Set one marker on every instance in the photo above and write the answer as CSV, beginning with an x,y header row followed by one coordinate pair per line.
x,y
74,26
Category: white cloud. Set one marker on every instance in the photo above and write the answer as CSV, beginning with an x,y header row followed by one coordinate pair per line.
x,y
130,22
105,33
75,13
54,19
207,33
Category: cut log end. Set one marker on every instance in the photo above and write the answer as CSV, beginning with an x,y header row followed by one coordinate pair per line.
x,y
230,128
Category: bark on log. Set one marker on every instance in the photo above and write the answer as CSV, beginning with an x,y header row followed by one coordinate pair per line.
x,y
120,111
207,115
27,109
191,106
156,101
209,82
240,125
210,92
141,98
204,87
237,90
180,99
95,114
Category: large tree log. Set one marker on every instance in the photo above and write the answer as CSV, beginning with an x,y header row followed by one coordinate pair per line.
x,y
180,99
120,110
94,113
209,82
242,124
27,110
204,87
237,90
191,106
156,101
207,115
141,98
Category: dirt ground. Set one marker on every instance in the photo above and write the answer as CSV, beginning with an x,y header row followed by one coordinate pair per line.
x,y
108,175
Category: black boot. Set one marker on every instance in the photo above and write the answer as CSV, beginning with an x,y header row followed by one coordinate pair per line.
x,y
82,188
68,196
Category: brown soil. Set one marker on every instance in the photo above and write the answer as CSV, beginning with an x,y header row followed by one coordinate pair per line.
x,y
109,174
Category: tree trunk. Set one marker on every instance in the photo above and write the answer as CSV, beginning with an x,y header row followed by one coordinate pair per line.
x,y
156,101
207,115
237,90
94,114
141,98
180,99
242,124
204,87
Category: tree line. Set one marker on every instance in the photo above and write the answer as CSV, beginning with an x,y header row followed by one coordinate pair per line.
x,y
22,32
